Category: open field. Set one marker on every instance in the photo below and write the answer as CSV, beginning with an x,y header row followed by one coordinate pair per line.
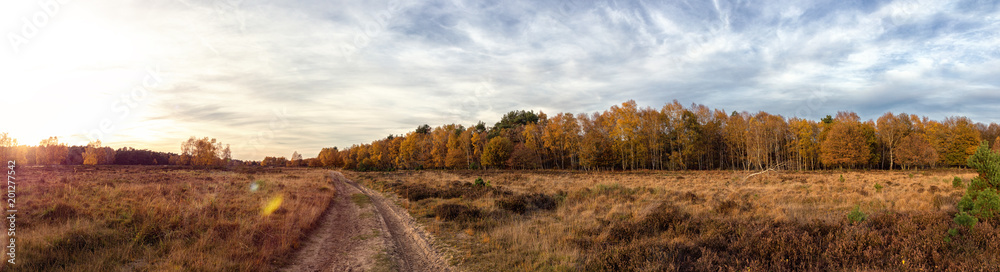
x,y
164,219
707,220
257,219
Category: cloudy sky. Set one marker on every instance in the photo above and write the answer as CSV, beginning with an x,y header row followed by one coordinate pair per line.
x,y
272,77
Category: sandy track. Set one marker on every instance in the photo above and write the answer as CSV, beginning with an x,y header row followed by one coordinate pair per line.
x,y
375,236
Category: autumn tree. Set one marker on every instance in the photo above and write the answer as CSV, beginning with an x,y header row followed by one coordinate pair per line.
x,y
439,145
459,143
351,156
996,145
915,150
958,140
313,162
712,124
330,157
988,132
478,142
378,155
411,151
677,137
497,152
532,145
891,130
274,161
596,151
868,132
204,152
673,137
845,145
736,135
765,138
8,148
561,137
523,157
805,142
95,154
624,124
50,151
467,147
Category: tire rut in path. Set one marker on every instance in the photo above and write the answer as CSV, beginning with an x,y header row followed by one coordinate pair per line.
x,y
375,236
412,246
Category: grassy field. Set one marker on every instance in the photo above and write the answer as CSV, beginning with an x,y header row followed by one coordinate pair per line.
x,y
164,219
704,220
154,219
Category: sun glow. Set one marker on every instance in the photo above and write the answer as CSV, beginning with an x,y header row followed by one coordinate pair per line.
x,y
62,73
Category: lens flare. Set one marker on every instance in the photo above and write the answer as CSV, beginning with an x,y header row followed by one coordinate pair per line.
x,y
272,205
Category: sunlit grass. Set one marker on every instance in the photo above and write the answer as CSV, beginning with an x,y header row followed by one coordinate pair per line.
x,y
652,220
143,218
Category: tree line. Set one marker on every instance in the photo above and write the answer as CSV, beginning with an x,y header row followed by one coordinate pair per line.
x,y
673,137
194,152
624,137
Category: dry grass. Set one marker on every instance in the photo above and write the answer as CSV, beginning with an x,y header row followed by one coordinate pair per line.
x,y
697,220
156,219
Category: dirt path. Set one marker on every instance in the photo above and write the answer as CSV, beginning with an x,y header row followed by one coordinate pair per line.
x,y
363,231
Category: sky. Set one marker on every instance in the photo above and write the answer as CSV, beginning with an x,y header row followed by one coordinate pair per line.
x,y
273,77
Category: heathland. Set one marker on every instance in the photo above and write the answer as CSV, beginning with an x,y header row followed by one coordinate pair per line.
x,y
256,219
151,218
696,220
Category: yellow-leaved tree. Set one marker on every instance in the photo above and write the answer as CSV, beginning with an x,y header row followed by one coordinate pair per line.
x,y
95,154
497,152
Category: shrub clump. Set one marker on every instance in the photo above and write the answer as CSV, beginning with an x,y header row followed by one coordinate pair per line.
x,y
523,203
456,212
457,189
856,215
981,200
481,182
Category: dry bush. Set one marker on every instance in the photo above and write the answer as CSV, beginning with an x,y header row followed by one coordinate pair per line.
x,y
456,212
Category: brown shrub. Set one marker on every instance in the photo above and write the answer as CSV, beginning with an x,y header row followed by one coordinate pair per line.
x,y
456,212
523,203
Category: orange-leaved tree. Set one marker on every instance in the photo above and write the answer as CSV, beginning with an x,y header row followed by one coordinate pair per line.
x,y
845,145
957,141
915,150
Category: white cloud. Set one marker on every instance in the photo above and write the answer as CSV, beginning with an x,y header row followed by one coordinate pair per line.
x,y
345,72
